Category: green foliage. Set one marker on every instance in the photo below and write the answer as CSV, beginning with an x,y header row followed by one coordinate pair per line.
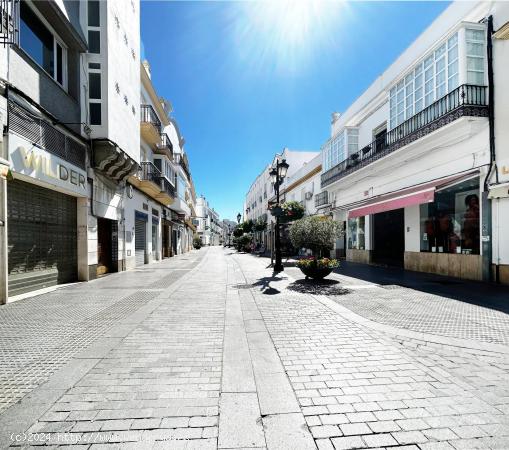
x,y
197,243
238,232
243,243
247,226
316,233
260,225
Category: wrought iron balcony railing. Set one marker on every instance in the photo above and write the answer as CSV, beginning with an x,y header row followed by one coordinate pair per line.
x,y
466,100
321,199
165,144
149,172
148,115
179,159
167,187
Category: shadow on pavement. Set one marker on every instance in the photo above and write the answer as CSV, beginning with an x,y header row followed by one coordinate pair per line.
x,y
488,295
318,287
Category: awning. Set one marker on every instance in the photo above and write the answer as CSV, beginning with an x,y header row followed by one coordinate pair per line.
x,y
395,203
415,195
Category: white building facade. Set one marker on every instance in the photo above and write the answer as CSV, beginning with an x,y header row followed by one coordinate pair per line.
x,y
44,147
209,226
410,168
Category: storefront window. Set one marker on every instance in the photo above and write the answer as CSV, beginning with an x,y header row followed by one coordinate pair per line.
x,y
356,233
451,223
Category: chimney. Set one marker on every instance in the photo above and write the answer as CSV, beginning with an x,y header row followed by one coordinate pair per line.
x,y
147,68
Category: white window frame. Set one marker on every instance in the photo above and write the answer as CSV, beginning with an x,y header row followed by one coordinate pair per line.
x,y
399,110
56,39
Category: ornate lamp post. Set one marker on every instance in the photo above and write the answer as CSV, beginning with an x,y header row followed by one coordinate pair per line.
x,y
277,175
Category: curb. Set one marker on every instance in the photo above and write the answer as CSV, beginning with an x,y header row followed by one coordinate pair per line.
x,y
402,334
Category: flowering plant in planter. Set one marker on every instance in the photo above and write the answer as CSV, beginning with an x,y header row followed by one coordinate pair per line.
x,y
292,211
320,263
318,234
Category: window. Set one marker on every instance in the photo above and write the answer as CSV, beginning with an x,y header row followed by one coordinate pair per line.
x,y
94,41
430,80
94,96
451,224
95,113
93,13
95,85
356,233
336,150
475,41
42,45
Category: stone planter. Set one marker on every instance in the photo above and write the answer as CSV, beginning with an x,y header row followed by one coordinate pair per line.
x,y
316,273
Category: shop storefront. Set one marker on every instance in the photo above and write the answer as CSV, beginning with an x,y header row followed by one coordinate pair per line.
x,y
434,227
45,195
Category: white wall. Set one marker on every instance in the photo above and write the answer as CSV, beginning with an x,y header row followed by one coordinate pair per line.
x,y
412,229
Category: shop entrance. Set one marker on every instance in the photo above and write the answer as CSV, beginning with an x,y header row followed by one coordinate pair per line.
x,y
107,246
166,239
389,237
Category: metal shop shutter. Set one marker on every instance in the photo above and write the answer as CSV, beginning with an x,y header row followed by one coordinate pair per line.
x,y
140,238
42,243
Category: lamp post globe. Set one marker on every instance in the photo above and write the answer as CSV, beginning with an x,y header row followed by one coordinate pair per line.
x,y
239,216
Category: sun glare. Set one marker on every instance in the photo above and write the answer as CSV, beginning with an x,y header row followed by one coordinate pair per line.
x,y
287,31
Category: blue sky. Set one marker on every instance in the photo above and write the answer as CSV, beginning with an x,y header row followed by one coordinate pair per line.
x,y
247,79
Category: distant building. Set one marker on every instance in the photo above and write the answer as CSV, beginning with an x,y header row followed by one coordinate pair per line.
x,y
209,227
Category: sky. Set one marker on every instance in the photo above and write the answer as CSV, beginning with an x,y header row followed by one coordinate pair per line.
x,y
249,78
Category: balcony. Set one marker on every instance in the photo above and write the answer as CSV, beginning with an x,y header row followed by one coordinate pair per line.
x,y
152,182
150,126
182,161
464,101
164,147
321,199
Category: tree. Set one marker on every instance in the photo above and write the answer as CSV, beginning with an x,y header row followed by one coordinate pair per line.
x,y
316,233
197,243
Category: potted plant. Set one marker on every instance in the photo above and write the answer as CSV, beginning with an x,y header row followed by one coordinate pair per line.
x,y
316,233
291,211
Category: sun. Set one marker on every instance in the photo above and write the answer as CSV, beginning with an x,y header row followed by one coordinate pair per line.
x,y
286,32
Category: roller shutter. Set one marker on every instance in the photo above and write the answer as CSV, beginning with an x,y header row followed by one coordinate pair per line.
x,y
42,242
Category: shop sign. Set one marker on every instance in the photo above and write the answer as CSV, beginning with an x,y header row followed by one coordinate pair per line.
x,y
34,162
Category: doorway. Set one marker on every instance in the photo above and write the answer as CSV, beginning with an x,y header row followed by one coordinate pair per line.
x,y
104,246
389,238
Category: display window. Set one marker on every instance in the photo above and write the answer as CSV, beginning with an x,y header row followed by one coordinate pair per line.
x,y
451,224
357,233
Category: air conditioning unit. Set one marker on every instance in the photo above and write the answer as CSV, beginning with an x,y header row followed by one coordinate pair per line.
x,y
309,195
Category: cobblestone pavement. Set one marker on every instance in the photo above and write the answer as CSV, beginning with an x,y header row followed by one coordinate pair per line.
x,y
360,388
38,335
229,357
424,312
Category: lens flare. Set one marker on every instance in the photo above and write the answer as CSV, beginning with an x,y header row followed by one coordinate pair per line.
x,y
285,34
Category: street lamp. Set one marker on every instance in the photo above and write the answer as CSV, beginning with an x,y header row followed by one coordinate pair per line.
x,y
277,175
239,216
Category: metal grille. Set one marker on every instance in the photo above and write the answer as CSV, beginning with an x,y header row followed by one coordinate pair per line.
x,y
465,100
140,241
46,136
41,236
9,22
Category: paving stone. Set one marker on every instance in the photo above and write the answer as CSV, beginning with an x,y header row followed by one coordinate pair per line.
x,y
355,428
287,432
379,440
348,442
